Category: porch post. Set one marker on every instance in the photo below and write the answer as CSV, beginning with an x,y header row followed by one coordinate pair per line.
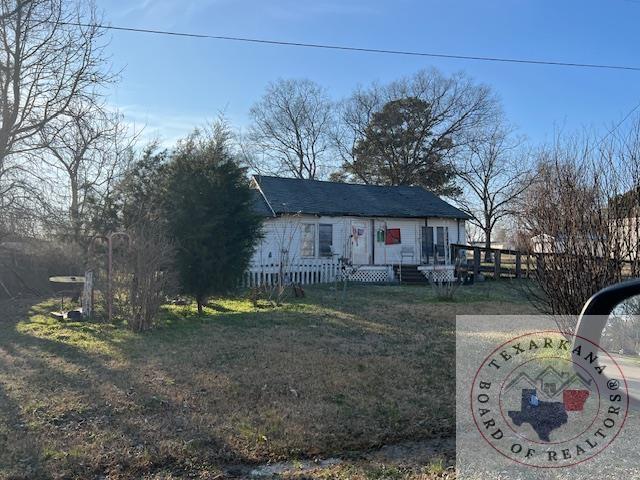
x,y
424,247
373,241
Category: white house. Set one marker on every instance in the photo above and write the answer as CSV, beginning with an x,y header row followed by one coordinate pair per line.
x,y
372,228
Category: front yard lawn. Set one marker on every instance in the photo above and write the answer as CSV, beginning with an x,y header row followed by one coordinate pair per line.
x,y
318,377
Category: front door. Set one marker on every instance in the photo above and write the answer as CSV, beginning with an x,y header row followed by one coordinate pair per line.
x,y
427,244
435,242
359,243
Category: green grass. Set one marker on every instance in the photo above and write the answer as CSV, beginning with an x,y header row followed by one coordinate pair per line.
x,y
318,376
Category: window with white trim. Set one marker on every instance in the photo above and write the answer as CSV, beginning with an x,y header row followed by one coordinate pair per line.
x,y
308,243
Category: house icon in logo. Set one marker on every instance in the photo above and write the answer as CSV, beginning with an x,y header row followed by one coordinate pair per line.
x,y
549,382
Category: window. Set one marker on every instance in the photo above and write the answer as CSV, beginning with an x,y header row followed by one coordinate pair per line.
x,y
427,243
440,242
443,243
325,239
308,246
393,236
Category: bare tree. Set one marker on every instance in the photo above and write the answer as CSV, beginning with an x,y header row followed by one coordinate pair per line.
x,y
432,118
89,147
284,231
47,61
151,279
290,134
10,8
20,204
494,172
583,217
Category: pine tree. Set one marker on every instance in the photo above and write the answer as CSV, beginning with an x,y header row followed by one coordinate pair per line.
x,y
208,208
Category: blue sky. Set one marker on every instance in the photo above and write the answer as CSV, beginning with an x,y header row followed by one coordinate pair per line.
x,y
174,84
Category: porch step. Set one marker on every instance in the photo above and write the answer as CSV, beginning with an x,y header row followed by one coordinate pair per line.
x,y
410,274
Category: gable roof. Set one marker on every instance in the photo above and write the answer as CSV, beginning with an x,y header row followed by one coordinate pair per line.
x,y
260,206
314,197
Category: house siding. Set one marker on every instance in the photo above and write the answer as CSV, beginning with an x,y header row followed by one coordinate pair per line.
x,y
409,241
285,233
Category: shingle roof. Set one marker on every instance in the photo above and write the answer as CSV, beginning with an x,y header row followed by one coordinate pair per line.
x,y
292,195
260,206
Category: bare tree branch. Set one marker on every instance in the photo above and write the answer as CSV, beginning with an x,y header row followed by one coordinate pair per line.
x,y
453,112
290,130
494,172
90,147
47,63
583,215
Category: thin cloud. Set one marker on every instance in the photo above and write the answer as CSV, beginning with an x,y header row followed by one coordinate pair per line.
x,y
151,10
299,10
132,8
166,127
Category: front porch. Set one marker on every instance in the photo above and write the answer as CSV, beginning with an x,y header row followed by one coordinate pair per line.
x,y
308,272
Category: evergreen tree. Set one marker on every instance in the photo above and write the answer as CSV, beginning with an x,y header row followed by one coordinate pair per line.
x,y
400,148
207,205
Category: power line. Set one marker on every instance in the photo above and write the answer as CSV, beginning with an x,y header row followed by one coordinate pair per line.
x,y
356,49
616,127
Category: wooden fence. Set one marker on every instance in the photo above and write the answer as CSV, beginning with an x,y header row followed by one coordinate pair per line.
x,y
301,272
505,263
498,262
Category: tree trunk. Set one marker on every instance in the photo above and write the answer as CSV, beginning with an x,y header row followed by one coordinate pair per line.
x,y
200,302
74,209
487,245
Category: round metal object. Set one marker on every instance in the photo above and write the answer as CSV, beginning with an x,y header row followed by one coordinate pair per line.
x,y
70,279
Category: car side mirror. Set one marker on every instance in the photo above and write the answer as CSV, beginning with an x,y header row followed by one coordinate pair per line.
x,y
611,319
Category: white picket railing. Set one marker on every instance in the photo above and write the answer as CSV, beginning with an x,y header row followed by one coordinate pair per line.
x,y
301,272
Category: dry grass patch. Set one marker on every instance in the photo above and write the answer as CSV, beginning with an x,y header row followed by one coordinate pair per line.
x,y
321,376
